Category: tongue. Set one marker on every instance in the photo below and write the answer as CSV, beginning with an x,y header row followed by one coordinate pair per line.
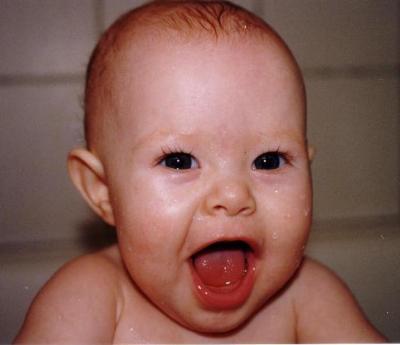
x,y
218,266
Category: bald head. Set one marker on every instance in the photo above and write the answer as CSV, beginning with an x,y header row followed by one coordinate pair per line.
x,y
172,21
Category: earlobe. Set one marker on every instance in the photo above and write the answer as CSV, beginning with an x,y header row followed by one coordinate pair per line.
x,y
87,174
311,153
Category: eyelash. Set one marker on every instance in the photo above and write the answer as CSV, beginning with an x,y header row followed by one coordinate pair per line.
x,y
285,155
265,158
168,151
264,161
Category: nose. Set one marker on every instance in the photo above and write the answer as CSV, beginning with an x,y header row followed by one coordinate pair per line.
x,y
230,196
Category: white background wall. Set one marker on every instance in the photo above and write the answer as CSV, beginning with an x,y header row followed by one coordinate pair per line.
x,y
348,50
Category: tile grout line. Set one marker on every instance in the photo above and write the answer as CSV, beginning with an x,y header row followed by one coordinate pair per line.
x,y
356,72
29,79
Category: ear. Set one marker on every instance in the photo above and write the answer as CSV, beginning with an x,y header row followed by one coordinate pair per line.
x,y
311,153
87,174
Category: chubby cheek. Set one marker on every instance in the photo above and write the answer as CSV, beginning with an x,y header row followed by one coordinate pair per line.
x,y
290,208
152,221
288,212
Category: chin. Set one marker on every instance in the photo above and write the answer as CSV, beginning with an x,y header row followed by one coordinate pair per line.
x,y
218,322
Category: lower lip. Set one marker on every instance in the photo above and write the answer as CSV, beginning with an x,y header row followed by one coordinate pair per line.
x,y
230,296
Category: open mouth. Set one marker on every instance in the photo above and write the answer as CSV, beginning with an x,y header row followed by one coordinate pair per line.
x,y
223,274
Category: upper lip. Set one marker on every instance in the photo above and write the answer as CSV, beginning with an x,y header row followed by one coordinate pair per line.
x,y
253,244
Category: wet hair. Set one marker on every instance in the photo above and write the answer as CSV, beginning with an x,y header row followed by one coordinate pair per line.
x,y
183,19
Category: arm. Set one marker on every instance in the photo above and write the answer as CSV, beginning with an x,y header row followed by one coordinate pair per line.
x,y
77,305
327,311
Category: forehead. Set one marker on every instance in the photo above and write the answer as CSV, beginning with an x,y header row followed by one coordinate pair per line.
x,y
146,53
159,81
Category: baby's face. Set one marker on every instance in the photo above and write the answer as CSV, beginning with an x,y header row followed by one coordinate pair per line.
x,y
207,168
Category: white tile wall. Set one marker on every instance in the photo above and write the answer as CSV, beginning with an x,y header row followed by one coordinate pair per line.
x,y
338,33
46,36
39,124
114,8
354,125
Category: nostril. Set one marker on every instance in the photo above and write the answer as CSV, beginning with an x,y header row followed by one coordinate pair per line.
x,y
246,211
230,198
232,209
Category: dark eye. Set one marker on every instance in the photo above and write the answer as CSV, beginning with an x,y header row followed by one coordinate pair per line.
x,y
179,161
269,161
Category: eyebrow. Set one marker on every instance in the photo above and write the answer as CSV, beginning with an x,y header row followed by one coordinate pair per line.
x,y
278,136
287,136
160,134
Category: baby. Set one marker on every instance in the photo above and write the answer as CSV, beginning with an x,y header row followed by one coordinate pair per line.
x,y
197,154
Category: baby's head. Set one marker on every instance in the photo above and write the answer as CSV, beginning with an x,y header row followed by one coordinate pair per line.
x,y
197,153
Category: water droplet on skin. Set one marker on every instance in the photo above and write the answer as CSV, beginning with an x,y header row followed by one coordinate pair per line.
x,y
243,25
306,212
276,191
198,218
274,235
206,292
228,283
131,329
254,269
199,287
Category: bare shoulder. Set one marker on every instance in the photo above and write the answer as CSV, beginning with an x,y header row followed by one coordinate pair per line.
x,y
326,310
80,302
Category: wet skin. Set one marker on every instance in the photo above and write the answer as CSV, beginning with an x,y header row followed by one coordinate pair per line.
x,y
225,106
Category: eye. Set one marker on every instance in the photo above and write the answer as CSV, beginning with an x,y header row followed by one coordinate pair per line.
x,y
179,161
269,161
